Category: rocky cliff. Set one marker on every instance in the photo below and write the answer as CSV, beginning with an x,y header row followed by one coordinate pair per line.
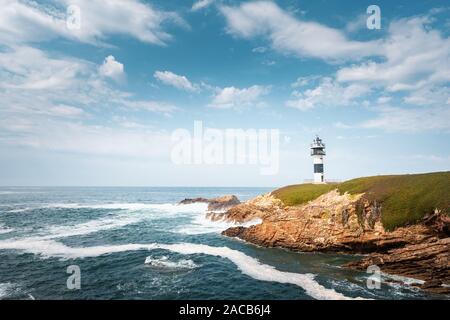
x,y
349,223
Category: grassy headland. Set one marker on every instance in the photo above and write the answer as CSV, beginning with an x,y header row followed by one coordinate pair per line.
x,y
405,199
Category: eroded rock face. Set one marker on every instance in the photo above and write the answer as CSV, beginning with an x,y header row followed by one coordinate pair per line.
x,y
348,223
223,203
429,261
330,222
262,207
215,204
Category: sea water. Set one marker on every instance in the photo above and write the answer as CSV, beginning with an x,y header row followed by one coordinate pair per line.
x,y
137,243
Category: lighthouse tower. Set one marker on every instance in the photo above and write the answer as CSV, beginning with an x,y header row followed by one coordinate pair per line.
x,y
317,152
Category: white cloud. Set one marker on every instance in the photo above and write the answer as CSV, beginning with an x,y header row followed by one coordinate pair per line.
x,y
415,57
427,158
201,4
357,24
58,115
259,49
268,63
291,35
341,125
177,81
411,119
430,95
153,106
64,136
49,100
415,66
232,97
327,93
31,69
383,100
65,111
303,81
26,21
31,79
112,68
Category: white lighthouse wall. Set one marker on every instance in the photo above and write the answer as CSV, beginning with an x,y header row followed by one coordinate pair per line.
x,y
318,159
318,176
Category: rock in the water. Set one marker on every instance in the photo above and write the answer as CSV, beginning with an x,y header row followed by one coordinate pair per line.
x,y
193,200
223,203
233,231
215,204
428,261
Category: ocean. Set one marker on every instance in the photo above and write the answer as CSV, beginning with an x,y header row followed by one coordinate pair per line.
x,y
137,243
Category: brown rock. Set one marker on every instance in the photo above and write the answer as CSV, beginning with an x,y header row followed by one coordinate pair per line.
x,y
429,262
223,203
215,204
346,223
193,200
233,232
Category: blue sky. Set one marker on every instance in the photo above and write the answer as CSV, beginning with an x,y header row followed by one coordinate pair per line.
x,y
97,105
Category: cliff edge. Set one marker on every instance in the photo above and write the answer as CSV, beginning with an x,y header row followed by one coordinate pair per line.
x,y
401,222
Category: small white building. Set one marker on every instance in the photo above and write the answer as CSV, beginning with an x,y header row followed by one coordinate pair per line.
x,y
318,152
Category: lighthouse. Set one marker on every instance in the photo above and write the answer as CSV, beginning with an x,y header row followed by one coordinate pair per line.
x,y
317,152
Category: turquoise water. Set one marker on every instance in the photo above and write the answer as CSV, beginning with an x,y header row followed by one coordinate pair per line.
x,y
136,243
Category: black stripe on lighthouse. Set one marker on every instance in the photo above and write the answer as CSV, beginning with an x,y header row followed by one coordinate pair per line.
x,y
318,168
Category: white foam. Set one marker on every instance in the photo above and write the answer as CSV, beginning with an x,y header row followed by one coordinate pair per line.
x,y
6,289
164,263
52,248
163,207
405,280
134,213
263,272
201,225
248,265
4,229
90,227
19,210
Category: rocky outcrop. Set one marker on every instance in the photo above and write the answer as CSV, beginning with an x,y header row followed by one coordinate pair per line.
x,y
262,207
332,222
347,223
215,204
193,200
429,261
223,203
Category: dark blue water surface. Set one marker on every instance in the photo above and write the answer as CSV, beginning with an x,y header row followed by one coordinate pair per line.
x,y
136,243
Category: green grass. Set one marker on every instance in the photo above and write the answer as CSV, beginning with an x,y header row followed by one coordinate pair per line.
x,y
405,199
302,193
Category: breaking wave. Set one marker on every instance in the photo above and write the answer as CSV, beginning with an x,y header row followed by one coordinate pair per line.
x,y
163,207
168,208
130,213
4,229
8,290
165,264
89,227
202,225
246,264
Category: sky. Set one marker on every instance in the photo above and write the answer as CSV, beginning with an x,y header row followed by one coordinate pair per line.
x,y
92,91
